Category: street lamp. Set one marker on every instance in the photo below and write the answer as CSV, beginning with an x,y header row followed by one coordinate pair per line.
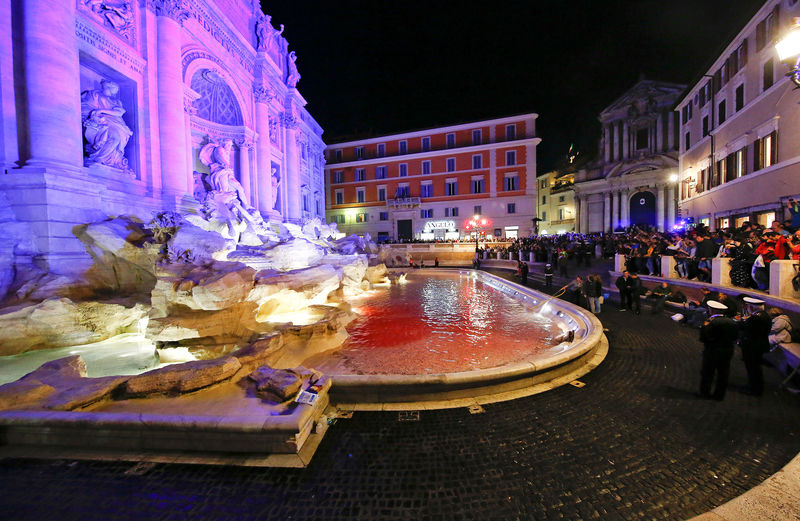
x,y
789,47
477,223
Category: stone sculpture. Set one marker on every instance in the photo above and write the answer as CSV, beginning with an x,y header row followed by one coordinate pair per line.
x,y
276,182
266,35
293,75
117,14
105,131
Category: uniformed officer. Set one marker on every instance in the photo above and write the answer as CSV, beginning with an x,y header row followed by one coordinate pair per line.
x,y
754,343
718,334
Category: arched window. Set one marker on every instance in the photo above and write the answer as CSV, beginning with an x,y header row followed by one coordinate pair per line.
x,y
217,102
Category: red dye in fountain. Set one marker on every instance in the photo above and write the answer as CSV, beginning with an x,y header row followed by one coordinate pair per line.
x,y
443,322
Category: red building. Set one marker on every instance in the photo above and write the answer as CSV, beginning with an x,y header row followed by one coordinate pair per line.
x,y
426,184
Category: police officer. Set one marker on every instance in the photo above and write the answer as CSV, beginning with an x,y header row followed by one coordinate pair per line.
x,y
754,343
718,334
548,276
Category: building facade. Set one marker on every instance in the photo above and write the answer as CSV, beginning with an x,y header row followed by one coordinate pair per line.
x,y
633,181
555,202
426,184
740,146
107,105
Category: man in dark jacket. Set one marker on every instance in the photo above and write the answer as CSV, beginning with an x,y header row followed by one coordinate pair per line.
x,y
548,276
635,288
718,334
658,296
754,343
624,287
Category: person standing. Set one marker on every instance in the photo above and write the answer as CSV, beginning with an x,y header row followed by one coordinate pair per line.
x,y
548,276
576,286
754,343
718,335
592,288
524,273
635,288
624,286
562,263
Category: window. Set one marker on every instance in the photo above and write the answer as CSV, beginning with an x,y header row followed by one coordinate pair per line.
x,y
544,199
305,202
687,140
426,144
338,218
451,164
642,139
511,131
426,167
543,184
359,152
768,76
381,194
451,187
383,216
511,182
767,30
451,140
766,151
476,137
738,58
361,217
511,157
381,149
339,197
380,172
402,146
360,195
426,214
705,126
705,94
511,208
739,97
361,174
338,154
476,210
477,186
686,113
722,113
544,216
338,177
498,232
477,162
561,198
317,205
403,170
740,162
426,190
451,212
402,191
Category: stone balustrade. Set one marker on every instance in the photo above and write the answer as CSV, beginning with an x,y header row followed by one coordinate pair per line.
x,y
781,273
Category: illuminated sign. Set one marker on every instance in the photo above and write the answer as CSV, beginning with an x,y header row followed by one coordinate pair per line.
x,y
439,225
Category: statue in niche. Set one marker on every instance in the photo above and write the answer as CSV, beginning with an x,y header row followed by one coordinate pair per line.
x,y
276,182
117,14
105,131
222,179
266,35
293,76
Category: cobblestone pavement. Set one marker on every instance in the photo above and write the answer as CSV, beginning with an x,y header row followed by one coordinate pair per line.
x,y
634,443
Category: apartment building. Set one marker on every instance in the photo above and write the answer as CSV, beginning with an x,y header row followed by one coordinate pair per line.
x,y
739,128
427,184
555,202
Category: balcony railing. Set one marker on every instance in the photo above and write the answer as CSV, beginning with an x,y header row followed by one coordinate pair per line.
x,y
402,202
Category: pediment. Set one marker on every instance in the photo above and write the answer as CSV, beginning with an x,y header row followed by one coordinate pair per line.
x,y
643,99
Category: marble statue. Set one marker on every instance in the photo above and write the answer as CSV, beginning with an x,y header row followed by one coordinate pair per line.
x,y
218,158
276,181
293,76
266,35
103,127
117,14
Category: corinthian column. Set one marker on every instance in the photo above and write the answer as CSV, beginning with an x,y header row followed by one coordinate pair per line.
x,y
291,177
660,209
171,124
615,200
584,215
607,211
52,84
263,151
244,169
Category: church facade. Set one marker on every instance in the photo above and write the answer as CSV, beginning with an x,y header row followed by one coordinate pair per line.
x,y
634,179
128,107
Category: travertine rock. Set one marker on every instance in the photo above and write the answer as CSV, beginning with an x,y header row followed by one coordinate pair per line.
x,y
282,383
376,274
259,351
20,394
84,392
182,377
59,322
212,287
202,244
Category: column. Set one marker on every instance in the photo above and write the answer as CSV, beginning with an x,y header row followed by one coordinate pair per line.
x,y
607,212
669,140
659,132
614,210
584,215
670,206
9,146
244,169
189,110
291,177
625,205
660,207
171,125
625,142
263,151
615,152
52,84
577,214
607,143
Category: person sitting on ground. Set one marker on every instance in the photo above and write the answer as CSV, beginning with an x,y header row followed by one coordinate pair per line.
x,y
658,296
781,330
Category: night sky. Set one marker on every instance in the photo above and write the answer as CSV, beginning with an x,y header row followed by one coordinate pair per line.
x,y
373,67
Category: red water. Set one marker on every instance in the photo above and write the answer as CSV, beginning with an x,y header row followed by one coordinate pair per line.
x,y
438,323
